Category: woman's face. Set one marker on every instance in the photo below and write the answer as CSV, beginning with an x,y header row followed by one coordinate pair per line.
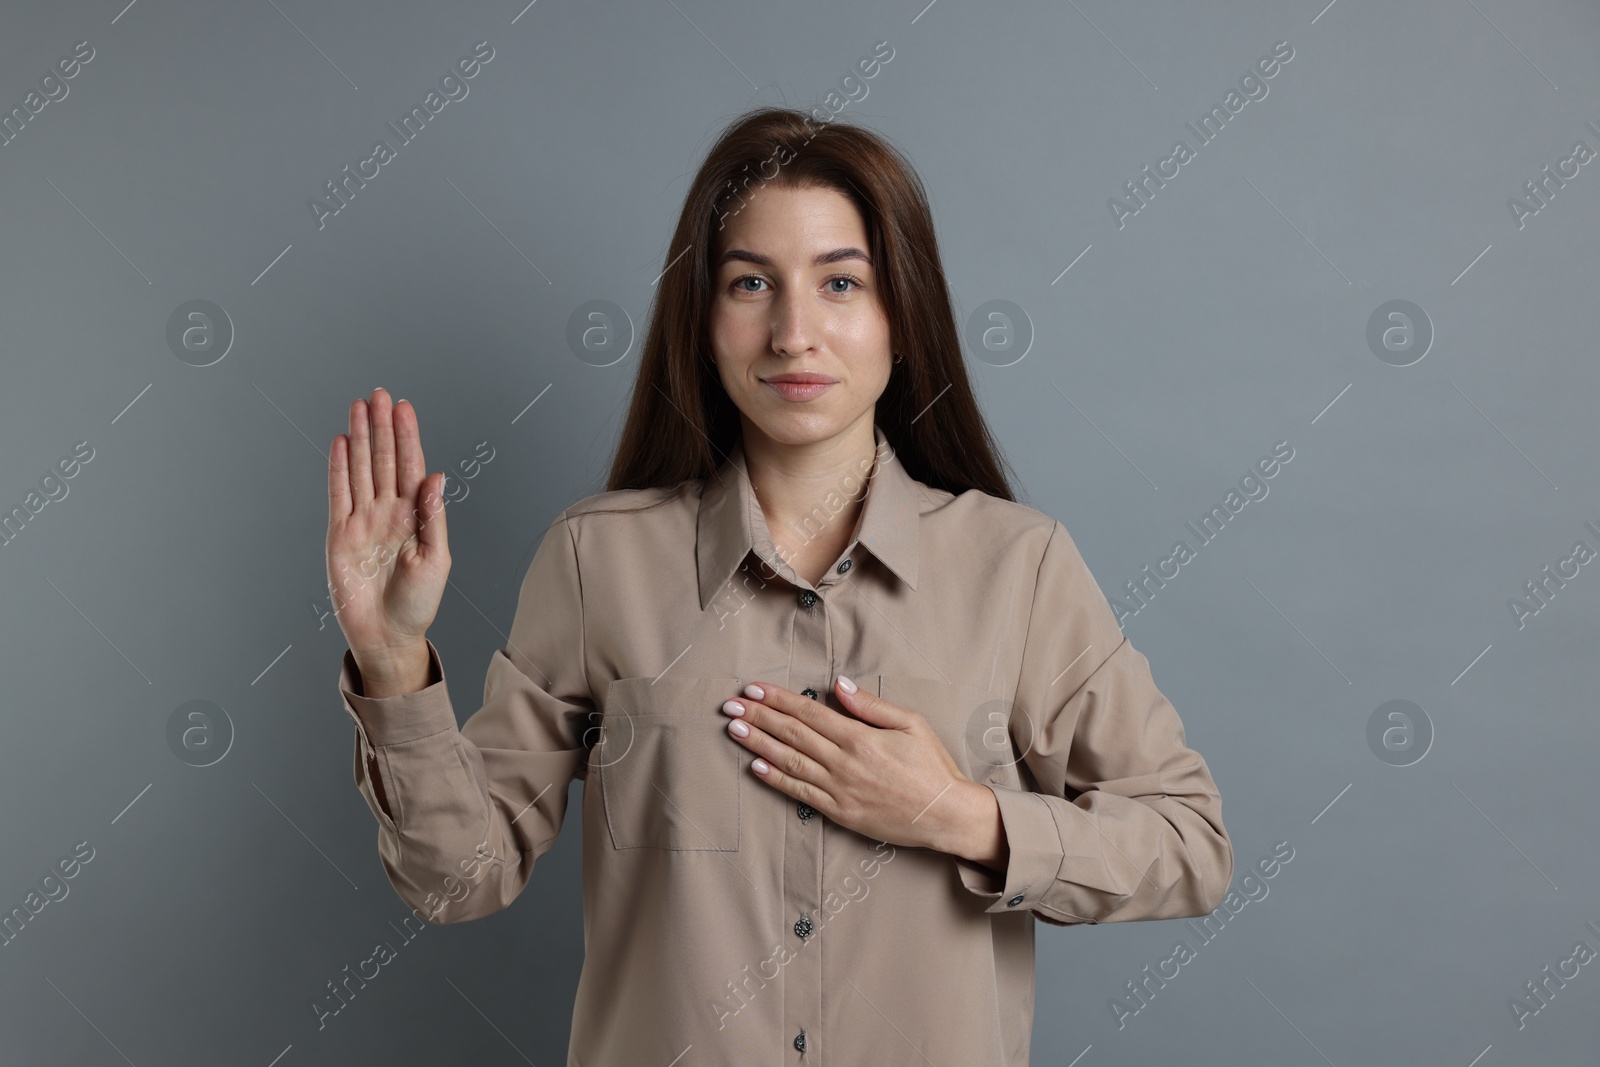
x,y
777,313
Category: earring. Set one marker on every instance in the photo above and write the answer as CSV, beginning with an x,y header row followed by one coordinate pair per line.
x,y
898,358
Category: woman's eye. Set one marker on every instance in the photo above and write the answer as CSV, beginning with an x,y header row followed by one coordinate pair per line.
x,y
849,279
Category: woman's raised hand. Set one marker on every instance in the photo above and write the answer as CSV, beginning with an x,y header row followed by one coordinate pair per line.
x,y
388,557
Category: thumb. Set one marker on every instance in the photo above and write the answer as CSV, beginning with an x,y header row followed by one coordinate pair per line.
x,y
869,707
431,529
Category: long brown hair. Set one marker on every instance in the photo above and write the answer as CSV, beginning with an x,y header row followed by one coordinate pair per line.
x,y
681,423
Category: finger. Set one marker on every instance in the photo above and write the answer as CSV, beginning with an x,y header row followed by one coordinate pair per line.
x,y
360,453
431,531
792,731
339,478
410,472
799,788
813,714
872,709
793,762
383,452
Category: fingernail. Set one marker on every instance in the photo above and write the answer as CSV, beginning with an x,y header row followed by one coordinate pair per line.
x,y
733,707
761,766
753,691
739,729
846,684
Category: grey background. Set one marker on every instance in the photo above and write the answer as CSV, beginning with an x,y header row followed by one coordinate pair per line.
x,y
186,561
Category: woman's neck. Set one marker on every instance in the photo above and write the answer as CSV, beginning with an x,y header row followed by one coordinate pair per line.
x,y
811,495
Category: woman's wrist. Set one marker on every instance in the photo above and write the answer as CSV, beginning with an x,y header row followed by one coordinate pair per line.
x,y
395,672
979,833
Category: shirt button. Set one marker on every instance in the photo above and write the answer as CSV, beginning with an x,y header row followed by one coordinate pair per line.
x,y
807,598
1014,901
800,1041
845,566
802,927
809,692
805,811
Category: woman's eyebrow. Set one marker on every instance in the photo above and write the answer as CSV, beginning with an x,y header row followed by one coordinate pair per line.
x,y
820,260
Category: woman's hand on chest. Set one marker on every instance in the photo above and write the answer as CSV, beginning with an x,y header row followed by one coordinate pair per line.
x,y
883,773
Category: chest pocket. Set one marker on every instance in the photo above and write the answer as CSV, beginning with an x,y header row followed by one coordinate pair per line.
x,y
669,774
975,725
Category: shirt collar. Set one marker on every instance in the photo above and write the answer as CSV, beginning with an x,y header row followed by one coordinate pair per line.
x,y
731,524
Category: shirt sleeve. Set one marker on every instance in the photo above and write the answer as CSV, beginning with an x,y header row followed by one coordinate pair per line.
x,y
1126,822
464,813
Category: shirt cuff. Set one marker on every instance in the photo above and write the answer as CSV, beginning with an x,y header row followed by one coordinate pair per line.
x,y
394,720
1035,854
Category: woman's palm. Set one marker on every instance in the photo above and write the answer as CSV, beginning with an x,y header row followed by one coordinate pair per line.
x,y
387,552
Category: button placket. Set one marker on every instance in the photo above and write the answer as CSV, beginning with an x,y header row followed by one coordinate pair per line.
x,y
811,655
802,809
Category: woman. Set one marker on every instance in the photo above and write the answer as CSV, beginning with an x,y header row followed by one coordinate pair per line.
x,y
849,719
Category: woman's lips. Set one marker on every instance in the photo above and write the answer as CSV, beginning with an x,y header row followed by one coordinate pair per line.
x,y
799,391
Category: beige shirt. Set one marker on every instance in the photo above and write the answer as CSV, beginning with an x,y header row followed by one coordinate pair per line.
x,y
724,922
